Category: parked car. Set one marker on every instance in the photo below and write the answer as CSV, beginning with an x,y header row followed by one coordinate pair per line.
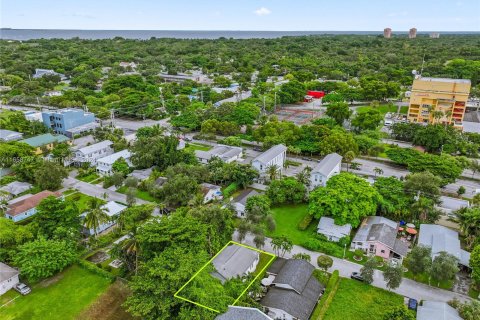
x,y
388,123
22,288
356,276
412,304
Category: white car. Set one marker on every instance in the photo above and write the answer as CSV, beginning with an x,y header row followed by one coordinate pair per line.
x,y
22,288
388,123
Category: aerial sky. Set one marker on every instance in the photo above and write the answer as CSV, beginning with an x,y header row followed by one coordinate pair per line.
x,y
280,15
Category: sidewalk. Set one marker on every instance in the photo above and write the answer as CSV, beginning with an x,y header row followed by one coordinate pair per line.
x,y
408,288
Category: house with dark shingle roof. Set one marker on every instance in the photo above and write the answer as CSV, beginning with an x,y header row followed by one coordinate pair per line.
x,y
27,207
378,236
243,313
294,292
240,202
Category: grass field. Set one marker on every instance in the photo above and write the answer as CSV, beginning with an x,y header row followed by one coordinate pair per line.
x,y
80,199
144,195
384,109
357,300
61,297
197,146
287,219
90,177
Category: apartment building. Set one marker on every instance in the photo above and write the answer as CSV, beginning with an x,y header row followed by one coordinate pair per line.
x,y
439,100
64,120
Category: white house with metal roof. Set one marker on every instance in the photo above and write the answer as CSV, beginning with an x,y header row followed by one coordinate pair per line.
x,y
234,261
105,165
8,278
113,209
436,310
225,153
441,238
240,202
90,154
327,168
276,155
9,135
332,231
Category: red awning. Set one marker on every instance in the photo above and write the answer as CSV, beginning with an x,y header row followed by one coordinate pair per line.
x,y
411,231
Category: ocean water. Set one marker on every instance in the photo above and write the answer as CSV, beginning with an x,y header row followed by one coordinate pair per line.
x,y
27,34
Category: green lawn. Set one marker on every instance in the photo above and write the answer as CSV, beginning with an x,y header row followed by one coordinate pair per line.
x,y
89,177
287,218
423,278
79,198
197,146
61,297
144,195
357,300
265,260
384,109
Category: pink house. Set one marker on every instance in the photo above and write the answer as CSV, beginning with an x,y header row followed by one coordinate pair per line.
x,y
378,236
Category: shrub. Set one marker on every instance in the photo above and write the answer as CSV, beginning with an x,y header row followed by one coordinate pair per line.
x,y
324,262
358,253
327,297
306,221
93,268
329,248
230,189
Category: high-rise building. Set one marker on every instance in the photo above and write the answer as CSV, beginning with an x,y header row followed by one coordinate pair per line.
x,y
387,33
435,35
412,34
438,100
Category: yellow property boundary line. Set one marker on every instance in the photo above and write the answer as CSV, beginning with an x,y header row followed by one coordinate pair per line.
x,y
176,295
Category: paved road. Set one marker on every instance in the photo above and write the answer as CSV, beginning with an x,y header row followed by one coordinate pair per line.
x,y
408,288
96,191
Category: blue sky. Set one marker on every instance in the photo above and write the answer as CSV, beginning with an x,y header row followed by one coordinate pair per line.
x,y
340,15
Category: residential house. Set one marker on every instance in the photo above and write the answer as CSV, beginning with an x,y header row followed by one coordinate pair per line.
x,y
243,313
378,236
141,175
449,205
14,188
8,278
333,231
9,135
436,310
294,291
46,140
441,238
105,165
113,210
225,153
39,73
83,129
276,155
27,207
90,154
211,192
234,261
160,181
328,167
240,202
64,120
131,65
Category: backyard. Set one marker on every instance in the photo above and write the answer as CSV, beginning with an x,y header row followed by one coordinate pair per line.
x,y
80,199
144,195
63,296
197,146
357,300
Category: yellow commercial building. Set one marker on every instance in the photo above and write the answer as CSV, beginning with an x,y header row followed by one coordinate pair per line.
x,y
439,100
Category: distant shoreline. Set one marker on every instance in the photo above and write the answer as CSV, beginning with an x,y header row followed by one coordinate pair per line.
x,y
29,34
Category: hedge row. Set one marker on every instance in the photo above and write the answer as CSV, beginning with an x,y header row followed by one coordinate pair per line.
x,y
327,297
93,268
306,221
230,189
326,247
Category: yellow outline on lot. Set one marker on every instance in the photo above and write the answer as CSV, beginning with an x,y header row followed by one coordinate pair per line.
x,y
176,295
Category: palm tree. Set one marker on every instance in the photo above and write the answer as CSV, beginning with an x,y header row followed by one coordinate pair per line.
x,y
437,115
273,171
96,215
348,158
378,171
132,246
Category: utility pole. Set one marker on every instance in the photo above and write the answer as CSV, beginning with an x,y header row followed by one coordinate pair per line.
x,y
275,102
161,97
112,118
264,110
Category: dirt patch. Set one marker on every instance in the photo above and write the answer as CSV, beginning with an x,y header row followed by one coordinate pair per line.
x,y
99,257
109,305
51,280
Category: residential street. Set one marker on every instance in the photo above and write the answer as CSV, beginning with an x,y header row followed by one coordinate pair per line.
x,y
408,288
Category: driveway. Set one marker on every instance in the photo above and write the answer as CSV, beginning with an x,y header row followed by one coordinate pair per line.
x,y
408,288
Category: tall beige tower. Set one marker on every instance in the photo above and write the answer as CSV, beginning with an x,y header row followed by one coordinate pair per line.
x,y
387,33
412,34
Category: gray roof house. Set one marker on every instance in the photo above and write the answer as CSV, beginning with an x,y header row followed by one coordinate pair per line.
x,y
240,202
234,261
8,277
141,174
16,187
276,155
225,153
449,205
294,292
378,236
243,313
441,238
9,135
435,310
332,231
328,167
